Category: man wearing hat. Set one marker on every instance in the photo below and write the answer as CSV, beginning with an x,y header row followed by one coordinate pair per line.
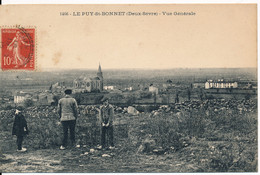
x,y
20,128
68,112
106,119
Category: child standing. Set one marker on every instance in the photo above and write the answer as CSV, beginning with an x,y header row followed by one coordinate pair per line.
x,y
20,128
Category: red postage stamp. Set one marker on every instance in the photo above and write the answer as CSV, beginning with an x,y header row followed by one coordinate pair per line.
x,y
18,49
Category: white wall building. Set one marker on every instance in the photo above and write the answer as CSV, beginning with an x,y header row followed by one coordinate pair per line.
x,y
153,89
21,96
108,87
220,84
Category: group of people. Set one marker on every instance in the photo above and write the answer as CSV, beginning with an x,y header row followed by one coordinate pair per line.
x,y
68,113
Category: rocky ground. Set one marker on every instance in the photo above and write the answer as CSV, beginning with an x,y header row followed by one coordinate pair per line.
x,y
210,136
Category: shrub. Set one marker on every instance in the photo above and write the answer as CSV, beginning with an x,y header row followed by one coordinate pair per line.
x,y
130,100
234,121
28,103
8,107
233,157
171,130
145,94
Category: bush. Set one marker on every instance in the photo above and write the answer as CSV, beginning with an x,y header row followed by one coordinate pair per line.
x,y
234,121
145,94
233,157
8,107
28,103
171,130
130,100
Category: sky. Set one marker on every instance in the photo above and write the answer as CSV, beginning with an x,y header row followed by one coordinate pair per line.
x,y
218,36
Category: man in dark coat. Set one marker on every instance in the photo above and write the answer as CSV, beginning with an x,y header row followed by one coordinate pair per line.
x,y
20,128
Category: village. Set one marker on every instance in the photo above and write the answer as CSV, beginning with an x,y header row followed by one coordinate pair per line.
x,y
90,90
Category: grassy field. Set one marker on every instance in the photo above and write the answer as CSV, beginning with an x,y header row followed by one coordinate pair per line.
x,y
209,136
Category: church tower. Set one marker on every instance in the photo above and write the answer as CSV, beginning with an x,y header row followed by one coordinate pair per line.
x,y
100,76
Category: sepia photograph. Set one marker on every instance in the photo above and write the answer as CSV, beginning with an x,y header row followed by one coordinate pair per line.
x,y
129,88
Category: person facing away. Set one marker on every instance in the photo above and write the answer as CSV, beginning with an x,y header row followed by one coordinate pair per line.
x,y
106,119
20,128
68,112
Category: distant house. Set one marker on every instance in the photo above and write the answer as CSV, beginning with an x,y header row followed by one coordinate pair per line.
x,y
220,84
58,87
21,96
168,84
129,88
108,87
153,89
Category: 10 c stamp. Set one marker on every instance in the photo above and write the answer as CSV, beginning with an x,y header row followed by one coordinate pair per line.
x,y
18,48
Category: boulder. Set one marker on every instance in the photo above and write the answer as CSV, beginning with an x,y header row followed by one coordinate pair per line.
x,y
132,110
106,155
147,146
168,109
159,151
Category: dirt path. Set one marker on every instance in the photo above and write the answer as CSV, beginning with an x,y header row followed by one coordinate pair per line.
x,y
74,160
35,161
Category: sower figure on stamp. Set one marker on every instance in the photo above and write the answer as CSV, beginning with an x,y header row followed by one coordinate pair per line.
x,y
20,128
68,112
106,119
15,45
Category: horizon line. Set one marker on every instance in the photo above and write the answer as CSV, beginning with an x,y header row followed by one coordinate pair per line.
x,y
45,69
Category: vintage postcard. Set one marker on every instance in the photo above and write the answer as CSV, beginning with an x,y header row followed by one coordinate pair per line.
x,y
130,88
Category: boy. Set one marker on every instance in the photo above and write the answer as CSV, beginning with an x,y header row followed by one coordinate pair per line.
x,y
106,119
20,128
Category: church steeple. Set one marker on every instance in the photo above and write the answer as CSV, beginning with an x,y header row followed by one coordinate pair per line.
x,y
99,73
99,68
100,76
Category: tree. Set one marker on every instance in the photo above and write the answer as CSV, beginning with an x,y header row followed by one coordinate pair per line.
x,y
189,93
247,96
145,94
177,98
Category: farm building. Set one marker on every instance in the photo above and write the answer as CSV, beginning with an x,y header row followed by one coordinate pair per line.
x,y
21,96
58,87
108,87
220,84
168,84
153,89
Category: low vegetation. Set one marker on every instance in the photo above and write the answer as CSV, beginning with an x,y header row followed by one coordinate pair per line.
x,y
211,136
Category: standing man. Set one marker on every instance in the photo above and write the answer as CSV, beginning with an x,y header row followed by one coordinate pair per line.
x,y
106,119
68,112
20,128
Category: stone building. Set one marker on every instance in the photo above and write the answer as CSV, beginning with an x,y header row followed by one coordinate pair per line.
x,y
211,84
89,84
153,89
